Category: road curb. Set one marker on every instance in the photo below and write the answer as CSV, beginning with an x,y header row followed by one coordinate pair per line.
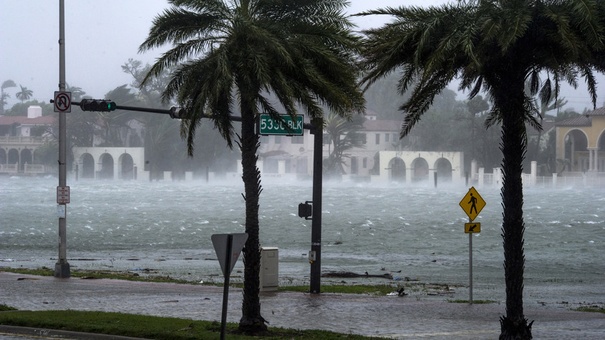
x,y
56,333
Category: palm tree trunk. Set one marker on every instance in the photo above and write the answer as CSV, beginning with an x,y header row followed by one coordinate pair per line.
x,y
251,321
513,146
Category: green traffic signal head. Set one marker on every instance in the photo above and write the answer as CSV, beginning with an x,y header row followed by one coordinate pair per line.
x,y
111,106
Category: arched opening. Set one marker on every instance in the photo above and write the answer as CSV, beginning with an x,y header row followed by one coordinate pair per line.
x,y
2,156
26,158
601,153
126,166
443,168
397,166
576,151
420,170
13,156
106,171
88,166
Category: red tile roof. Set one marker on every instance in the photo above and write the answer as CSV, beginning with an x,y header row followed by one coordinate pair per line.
x,y
598,112
23,120
576,121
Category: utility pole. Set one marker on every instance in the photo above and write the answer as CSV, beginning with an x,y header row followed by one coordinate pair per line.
x,y
62,269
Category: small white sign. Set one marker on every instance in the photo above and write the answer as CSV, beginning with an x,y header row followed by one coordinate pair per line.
x,y
61,211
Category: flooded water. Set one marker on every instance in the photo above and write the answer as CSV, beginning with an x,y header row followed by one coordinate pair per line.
x,y
413,232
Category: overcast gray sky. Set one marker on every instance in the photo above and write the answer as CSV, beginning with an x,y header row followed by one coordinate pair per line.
x,y
102,35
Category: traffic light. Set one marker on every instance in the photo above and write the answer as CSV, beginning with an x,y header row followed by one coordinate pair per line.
x,y
99,105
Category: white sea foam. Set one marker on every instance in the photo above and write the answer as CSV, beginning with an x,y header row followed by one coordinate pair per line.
x,y
399,228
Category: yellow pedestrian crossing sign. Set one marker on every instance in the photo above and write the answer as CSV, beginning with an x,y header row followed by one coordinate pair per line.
x,y
472,203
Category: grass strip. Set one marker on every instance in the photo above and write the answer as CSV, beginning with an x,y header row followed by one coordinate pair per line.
x,y
371,289
151,327
591,309
99,274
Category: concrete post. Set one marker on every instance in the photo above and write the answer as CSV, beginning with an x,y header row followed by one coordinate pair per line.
x,y
534,172
480,178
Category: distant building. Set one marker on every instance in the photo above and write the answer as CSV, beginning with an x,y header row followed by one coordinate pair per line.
x,y
581,144
379,159
20,138
293,155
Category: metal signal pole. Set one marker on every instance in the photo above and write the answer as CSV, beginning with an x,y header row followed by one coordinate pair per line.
x,y
315,286
62,267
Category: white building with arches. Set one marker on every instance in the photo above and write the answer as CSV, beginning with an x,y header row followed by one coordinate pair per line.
x,y
581,143
416,166
110,163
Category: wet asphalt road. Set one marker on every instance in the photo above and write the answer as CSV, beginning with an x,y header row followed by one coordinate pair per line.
x,y
384,316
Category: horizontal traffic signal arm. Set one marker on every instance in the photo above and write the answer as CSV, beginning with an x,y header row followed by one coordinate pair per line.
x,y
107,105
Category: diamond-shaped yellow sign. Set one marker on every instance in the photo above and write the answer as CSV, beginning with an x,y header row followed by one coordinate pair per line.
x,y
472,203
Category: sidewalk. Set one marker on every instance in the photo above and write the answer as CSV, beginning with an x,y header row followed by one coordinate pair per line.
x,y
385,316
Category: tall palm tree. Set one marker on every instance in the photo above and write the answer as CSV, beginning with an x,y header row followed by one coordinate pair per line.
x,y
494,46
229,56
24,94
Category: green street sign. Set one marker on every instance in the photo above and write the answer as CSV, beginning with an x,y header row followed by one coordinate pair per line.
x,y
287,127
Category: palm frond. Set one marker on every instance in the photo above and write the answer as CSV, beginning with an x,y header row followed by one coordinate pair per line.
x,y
546,93
591,84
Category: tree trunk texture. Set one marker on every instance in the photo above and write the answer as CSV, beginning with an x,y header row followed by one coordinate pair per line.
x,y
251,321
513,146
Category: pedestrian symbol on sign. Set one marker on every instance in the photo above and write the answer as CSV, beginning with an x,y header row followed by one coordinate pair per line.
x,y
473,203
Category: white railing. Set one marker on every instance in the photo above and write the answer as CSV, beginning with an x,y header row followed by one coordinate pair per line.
x,y
34,169
27,169
568,179
22,140
572,180
9,168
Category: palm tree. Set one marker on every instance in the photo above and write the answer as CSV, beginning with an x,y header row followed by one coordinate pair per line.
x,y
230,56
494,46
3,95
344,135
24,94
77,93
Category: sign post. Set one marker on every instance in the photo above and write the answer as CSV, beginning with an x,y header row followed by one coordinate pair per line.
x,y
472,203
228,248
